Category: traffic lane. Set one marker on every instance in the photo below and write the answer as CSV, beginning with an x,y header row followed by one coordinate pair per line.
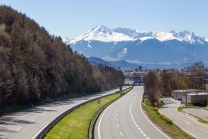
x,y
199,112
148,128
10,125
115,121
187,124
26,130
126,119
127,125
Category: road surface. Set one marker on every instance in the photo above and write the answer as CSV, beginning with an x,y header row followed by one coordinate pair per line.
x,y
188,124
27,124
124,119
199,112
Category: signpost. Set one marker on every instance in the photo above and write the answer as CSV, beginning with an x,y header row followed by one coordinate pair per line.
x,y
120,90
98,101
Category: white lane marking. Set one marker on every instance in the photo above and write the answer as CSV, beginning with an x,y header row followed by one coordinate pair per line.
x,y
171,113
43,114
101,121
18,128
141,131
117,111
32,120
144,135
150,121
117,119
187,123
118,125
121,133
15,119
139,128
181,127
40,131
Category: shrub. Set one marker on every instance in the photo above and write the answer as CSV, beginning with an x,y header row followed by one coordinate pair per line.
x,y
158,102
155,109
202,104
166,119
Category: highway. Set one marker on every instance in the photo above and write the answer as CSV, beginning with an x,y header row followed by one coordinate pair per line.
x,y
199,112
185,122
27,124
124,119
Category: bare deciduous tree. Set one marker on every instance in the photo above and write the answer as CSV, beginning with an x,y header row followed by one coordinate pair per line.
x,y
151,85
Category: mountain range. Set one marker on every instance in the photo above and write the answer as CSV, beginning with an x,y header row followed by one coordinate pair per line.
x,y
151,49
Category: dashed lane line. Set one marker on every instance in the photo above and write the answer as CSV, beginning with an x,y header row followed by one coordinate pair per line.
x,y
18,128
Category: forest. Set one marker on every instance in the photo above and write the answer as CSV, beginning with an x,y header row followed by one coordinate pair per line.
x,y
36,66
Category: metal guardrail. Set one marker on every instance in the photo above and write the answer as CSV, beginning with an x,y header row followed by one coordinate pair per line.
x,y
97,114
56,120
43,132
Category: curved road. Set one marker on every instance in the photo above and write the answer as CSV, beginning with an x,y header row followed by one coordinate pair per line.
x,y
124,119
186,123
27,124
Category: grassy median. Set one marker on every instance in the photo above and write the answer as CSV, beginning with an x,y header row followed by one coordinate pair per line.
x,y
180,109
172,130
75,125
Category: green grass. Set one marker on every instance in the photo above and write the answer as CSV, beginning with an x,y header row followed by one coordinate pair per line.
x,y
10,110
206,86
171,130
180,109
199,119
75,125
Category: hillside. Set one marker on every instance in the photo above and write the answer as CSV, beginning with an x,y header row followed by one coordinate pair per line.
x,y
37,66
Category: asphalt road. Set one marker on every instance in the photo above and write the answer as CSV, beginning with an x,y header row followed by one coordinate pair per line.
x,y
185,122
27,124
124,119
199,112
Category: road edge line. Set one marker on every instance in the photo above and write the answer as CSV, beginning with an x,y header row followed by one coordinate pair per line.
x,y
182,128
151,122
101,121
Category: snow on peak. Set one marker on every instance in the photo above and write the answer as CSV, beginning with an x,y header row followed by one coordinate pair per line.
x,y
105,34
164,36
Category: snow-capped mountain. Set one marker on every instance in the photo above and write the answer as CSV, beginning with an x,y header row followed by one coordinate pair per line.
x,y
141,47
104,34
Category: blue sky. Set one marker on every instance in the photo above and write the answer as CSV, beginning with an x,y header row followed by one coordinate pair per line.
x,y
71,18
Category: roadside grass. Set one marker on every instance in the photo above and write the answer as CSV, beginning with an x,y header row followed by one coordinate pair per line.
x,y
206,86
172,130
10,110
180,109
75,124
199,119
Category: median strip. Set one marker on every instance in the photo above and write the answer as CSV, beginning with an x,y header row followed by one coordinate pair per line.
x,y
75,124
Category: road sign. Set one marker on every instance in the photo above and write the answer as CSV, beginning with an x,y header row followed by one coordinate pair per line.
x,y
98,101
